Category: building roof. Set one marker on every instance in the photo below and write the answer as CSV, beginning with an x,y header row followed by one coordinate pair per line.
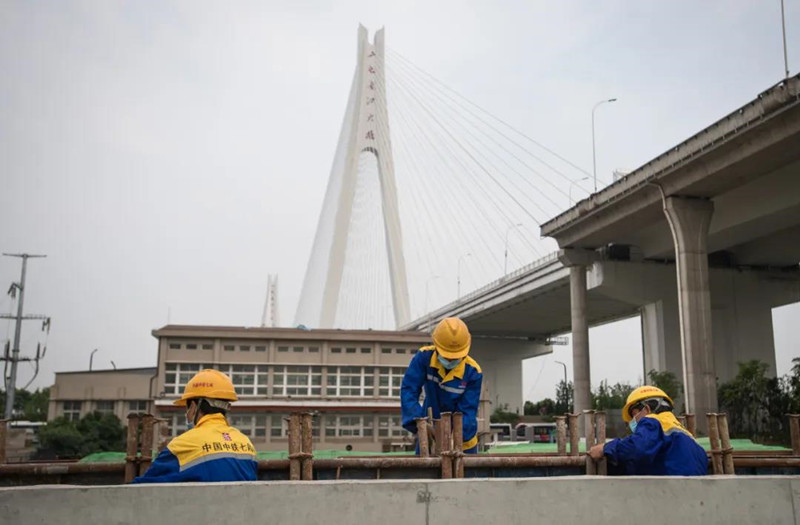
x,y
145,370
243,332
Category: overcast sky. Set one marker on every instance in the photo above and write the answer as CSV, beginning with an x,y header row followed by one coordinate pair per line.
x,y
167,156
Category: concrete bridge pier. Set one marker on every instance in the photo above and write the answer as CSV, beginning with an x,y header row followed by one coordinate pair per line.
x,y
578,261
689,220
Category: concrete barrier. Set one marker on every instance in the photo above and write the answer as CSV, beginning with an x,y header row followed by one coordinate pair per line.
x,y
567,500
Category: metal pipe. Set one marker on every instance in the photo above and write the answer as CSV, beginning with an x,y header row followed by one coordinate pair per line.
x,y
146,445
713,439
131,446
437,437
588,425
458,445
725,438
54,469
574,440
561,434
794,428
387,462
308,447
691,424
600,429
422,436
445,446
753,462
483,461
294,446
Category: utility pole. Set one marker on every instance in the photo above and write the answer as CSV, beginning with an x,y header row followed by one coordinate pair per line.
x,y
11,379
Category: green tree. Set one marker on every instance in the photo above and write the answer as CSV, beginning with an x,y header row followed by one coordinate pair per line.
x,y
792,387
666,381
565,398
503,415
755,403
96,432
29,405
545,407
609,397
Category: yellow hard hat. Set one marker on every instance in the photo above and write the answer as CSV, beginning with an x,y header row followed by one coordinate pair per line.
x,y
640,394
208,383
451,338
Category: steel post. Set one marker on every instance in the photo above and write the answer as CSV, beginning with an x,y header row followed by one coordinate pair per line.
x,y
713,439
588,425
446,446
725,438
295,451
146,445
691,424
600,430
458,445
561,434
574,439
794,428
131,446
422,436
306,424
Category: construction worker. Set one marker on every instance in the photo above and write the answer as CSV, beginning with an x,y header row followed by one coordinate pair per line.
x,y
211,450
450,378
658,445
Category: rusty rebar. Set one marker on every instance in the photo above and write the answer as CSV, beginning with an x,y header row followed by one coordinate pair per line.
x,y
131,445
306,424
600,431
713,439
3,434
561,434
146,443
295,450
794,429
422,436
588,424
574,439
437,438
725,439
458,445
445,446
691,424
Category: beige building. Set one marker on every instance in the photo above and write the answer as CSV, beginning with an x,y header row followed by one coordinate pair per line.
x,y
117,392
349,378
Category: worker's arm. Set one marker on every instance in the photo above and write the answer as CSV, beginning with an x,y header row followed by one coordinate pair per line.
x,y
166,469
468,406
413,381
642,445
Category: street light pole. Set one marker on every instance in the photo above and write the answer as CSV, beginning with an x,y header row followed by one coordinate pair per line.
x,y
459,272
91,358
565,372
785,56
594,157
505,257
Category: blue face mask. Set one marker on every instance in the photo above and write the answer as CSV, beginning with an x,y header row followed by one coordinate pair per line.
x,y
449,364
632,424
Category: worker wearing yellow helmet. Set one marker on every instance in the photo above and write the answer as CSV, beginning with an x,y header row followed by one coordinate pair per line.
x,y
450,378
211,450
658,445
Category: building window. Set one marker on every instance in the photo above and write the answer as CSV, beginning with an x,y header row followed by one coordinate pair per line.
x,y
248,380
313,349
137,406
351,350
366,350
304,381
104,407
178,374
208,346
389,381
350,381
72,410
176,424
244,348
348,426
278,427
229,348
336,350
399,350
390,426
261,348
386,350
191,346
283,349
174,346
251,425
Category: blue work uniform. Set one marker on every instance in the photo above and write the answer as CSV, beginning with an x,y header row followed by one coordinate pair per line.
x,y
456,390
211,451
660,446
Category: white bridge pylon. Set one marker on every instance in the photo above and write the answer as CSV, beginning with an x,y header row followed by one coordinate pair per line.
x,y
360,212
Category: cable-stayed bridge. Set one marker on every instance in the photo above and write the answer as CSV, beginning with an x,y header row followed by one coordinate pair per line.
x,y
430,197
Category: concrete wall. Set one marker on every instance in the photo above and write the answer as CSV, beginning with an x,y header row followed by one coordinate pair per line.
x,y
567,500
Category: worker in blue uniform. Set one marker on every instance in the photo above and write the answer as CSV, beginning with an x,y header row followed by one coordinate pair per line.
x,y
211,450
450,378
658,445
